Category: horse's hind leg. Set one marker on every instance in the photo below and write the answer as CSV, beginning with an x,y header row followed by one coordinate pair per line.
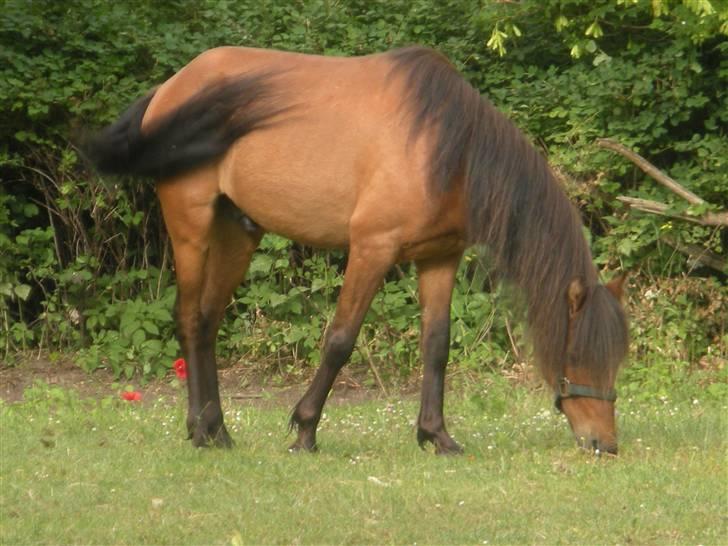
x,y
365,271
436,281
212,252
233,239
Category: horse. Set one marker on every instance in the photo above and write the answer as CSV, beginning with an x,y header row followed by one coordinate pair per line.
x,y
395,157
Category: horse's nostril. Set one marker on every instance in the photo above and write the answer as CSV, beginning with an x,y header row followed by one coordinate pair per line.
x,y
601,448
598,447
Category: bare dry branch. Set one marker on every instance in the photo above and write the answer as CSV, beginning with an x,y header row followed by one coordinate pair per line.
x,y
651,170
699,255
655,207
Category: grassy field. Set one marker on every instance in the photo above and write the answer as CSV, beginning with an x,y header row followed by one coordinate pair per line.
x,y
112,472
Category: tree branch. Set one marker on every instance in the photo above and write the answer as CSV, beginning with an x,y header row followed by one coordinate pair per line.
x,y
651,170
655,207
699,255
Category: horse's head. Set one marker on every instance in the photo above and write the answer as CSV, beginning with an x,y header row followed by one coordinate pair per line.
x,y
597,343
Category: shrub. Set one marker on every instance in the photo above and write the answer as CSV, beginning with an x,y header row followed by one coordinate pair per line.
x,y
84,262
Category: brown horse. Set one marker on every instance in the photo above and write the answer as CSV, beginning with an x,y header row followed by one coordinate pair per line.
x,y
395,157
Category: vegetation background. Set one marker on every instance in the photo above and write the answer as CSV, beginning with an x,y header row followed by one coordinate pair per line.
x,y
85,263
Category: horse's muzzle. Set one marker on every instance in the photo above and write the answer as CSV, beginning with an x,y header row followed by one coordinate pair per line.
x,y
597,446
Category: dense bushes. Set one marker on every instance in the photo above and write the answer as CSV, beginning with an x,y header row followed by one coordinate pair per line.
x,y
84,263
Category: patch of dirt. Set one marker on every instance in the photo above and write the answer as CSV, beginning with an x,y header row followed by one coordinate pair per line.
x,y
15,379
236,383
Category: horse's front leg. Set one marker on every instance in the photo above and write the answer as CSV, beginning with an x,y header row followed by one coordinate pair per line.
x,y
368,262
436,281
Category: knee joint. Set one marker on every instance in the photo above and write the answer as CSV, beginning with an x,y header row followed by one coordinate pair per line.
x,y
338,346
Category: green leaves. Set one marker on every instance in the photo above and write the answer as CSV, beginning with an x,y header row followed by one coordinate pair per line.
x,y
20,291
595,31
497,40
84,263
131,337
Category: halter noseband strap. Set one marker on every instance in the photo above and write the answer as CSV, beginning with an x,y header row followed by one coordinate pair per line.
x,y
567,389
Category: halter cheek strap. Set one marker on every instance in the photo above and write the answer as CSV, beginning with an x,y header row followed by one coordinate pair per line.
x,y
567,389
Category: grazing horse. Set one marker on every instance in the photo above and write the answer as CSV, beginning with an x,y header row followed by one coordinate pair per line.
x,y
395,157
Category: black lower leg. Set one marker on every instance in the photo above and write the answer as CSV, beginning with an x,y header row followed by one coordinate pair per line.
x,y
305,417
431,421
205,424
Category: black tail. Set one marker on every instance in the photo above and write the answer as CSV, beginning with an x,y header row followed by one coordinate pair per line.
x,y
200,130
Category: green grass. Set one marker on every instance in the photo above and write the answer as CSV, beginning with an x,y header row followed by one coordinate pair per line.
x,y
110,472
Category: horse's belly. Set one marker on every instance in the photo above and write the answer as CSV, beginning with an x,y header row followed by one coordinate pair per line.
x,y
299,191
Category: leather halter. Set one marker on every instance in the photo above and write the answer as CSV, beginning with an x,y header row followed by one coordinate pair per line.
x,y
567,389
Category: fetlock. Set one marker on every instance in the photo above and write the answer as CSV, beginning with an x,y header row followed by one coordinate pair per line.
x,y
304,423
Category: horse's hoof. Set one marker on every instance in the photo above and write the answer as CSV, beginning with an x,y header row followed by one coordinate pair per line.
x,y
222,438
205,438
451,448
301,446
444,444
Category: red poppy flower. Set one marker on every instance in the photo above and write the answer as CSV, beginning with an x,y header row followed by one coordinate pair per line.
x,y
131,396
180,368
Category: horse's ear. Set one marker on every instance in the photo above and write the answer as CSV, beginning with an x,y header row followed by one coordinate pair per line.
x,y
576,295
616,286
